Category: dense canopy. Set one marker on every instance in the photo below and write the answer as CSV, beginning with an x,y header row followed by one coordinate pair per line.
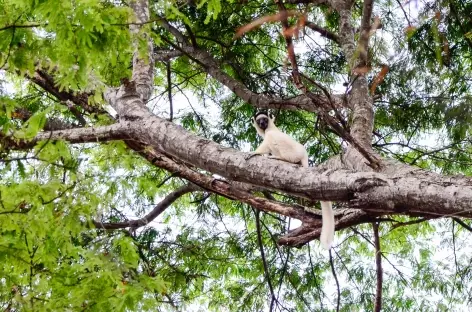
x,y
125,181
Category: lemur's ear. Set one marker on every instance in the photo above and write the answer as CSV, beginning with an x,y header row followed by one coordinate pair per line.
x,y
260,112
254,123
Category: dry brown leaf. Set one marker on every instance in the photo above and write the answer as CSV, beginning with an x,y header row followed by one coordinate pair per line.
x,y
292,31
265,19
301,23
379,78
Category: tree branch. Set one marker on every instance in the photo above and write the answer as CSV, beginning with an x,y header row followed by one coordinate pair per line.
x,y
463,224
365,25
351,218
402,189
289,45
52,123
398,191
360,99
46,82
166,55
224,188
213,67
142,67
169,91
416,221
74,135
32,25
158,209
322,31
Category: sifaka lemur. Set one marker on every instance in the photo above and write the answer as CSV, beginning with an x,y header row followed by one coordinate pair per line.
x,y
281,146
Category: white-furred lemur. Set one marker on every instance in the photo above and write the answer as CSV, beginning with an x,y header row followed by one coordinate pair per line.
x,y
281,146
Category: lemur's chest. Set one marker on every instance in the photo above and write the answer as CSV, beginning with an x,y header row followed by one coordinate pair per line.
x,y
278,142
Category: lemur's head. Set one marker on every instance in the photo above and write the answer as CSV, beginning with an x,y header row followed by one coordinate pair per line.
x,y
263,119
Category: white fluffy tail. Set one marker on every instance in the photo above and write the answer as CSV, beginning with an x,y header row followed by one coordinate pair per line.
x,y
327,230
304,160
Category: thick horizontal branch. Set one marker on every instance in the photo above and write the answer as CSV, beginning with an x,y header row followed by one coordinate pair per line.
x,y
235,191
74,135
401,190
166,55
416,194
227,189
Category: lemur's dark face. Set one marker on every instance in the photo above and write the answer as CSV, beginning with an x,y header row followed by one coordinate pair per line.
x,y
262,121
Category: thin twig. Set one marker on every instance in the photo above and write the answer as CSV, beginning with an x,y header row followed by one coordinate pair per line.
x,y
416,221
313,276
400,273
323,32
158,209
378,264
330,99
456,265
463,224
404,13
331,262
264,261
11,43
284,270
346,269
169,91
46,82
172,175
191,36
21,26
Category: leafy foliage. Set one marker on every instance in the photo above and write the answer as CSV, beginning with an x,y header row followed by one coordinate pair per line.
x,y
203,251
